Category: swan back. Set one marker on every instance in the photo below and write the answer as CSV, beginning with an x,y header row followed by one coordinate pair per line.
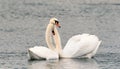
x,y
80,45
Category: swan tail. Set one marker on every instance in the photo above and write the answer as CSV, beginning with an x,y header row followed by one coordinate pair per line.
x,y
90,55
32,55
94,52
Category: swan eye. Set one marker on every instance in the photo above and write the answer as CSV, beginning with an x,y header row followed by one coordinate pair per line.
x,y
56,22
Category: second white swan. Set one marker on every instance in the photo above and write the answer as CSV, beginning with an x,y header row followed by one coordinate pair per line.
x,y
84,45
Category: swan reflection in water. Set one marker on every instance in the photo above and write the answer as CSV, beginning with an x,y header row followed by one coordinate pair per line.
x,y
64,64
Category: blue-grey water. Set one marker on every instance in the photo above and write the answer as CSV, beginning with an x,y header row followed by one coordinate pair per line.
x,y
23,24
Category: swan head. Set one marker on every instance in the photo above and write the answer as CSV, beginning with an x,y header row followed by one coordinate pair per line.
x,y
55,21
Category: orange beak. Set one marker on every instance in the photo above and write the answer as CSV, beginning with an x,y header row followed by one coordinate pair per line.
x,y
58,25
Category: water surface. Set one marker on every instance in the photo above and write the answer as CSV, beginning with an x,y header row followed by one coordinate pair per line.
x,y
23,24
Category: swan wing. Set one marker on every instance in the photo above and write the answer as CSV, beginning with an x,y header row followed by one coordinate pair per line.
x,y
40,52
80,45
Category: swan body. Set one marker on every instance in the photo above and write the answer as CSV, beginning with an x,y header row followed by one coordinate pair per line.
x,y
40,52
84,45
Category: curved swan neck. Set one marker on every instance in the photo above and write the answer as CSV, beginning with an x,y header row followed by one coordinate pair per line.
x,y
48,36
57,40
51,27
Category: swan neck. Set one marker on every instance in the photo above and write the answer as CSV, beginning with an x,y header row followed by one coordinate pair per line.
x,y
57,41
50,37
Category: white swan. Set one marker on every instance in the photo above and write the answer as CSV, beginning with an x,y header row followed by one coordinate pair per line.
x,y
84,45
40,52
